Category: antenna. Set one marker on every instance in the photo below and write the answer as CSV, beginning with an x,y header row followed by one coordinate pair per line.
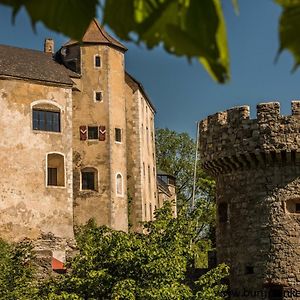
x,y
195,168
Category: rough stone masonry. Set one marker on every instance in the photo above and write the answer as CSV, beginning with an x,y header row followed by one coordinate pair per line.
x,y
256,164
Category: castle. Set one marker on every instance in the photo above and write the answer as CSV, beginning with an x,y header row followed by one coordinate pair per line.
x,y
77,140
256,164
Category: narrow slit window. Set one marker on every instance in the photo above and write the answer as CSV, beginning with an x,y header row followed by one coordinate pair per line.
x,y
119,183
223,212
97,61
118,135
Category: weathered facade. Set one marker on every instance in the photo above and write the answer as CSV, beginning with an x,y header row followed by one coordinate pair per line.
x,y
77,140
256,164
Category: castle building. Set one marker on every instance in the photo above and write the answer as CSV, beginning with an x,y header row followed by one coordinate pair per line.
x,y
77,139
256,164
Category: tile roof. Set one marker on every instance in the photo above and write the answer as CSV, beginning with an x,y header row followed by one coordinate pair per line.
x,y
96,34
32,64
135,84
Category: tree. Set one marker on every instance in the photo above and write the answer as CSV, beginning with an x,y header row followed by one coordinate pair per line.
x,y
190,28
17,271
175,153
117,265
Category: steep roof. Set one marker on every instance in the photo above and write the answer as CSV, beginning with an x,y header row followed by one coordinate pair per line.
x,y
135,84
96,34
32,64
163,187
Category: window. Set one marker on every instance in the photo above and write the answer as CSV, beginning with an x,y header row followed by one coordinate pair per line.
x,y
93,132
293,205
223,212
98,96
55,170
46,120
119,183
276,292
97,61
249,270
89,179
118,135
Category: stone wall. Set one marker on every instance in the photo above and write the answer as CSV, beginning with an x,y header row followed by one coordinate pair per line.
x,y
28,206
256,163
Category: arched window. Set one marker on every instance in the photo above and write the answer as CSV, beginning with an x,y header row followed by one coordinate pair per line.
x,y
89,179
45,116
119,184
55,169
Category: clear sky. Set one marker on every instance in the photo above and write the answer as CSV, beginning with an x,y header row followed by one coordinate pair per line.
x,y
183,93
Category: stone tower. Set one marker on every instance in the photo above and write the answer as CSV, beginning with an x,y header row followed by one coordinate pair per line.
x,y
99,128
256,164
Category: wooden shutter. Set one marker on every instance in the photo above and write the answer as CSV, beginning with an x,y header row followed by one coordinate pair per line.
x,y
83,132
102,132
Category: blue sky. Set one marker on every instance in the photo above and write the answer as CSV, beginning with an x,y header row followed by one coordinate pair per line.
x,y
183,93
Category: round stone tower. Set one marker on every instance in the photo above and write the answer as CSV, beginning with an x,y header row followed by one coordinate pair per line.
x,y
256,164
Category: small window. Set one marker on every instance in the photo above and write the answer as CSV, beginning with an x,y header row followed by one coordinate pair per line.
x,y
118,135
93,132
46,120
119,184
293,205
97,61
55,170
249,270
98,96
223,212
88,180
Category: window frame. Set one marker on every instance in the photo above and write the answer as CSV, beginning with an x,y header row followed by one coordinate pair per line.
x,y
95,96
88,133
46,112
122,185
117,129
100,61
64,171
93,170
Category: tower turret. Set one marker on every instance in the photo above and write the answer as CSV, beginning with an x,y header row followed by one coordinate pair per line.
x,y
256,164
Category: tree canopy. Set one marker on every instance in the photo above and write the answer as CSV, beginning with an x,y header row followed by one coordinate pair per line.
x,y
190,28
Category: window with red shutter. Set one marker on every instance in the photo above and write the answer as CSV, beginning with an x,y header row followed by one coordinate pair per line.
x,y
102,133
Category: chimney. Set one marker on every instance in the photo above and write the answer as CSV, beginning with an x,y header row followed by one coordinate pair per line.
x,y
49,46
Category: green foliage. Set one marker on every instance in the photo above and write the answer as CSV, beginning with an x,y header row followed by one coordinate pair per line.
x,y
190,28
116,265
175,24
289,28
70,17
17,273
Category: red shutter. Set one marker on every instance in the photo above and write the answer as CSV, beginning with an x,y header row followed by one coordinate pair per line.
x,y
102,132
83,132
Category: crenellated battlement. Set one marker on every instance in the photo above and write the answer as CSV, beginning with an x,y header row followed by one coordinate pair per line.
x,y
230,140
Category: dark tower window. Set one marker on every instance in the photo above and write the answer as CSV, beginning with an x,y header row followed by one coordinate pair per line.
x,y
249,270
52,176
275,292
97,61
223,212
293,205
98,96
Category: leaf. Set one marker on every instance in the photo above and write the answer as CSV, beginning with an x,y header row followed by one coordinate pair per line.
x,y
289,30
69,17
236,6
195,29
